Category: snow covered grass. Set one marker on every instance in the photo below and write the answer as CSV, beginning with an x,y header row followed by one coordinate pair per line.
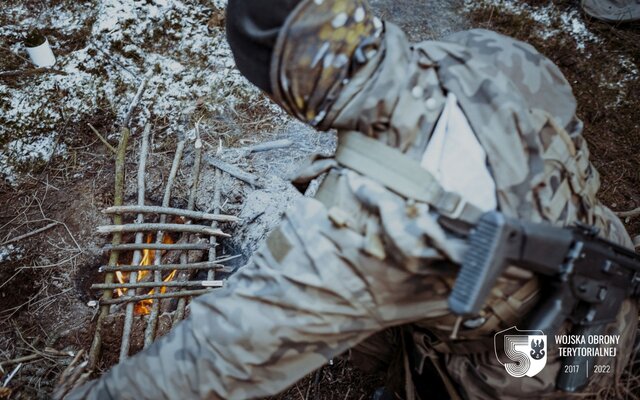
x,y
9,252
565,22
102,54
552,18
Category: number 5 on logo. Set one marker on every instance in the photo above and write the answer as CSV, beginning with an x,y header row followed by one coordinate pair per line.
x,y
522,353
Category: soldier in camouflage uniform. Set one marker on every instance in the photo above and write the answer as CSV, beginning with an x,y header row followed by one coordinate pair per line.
x,y
378,246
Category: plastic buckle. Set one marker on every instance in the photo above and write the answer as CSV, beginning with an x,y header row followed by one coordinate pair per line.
x,y
458,209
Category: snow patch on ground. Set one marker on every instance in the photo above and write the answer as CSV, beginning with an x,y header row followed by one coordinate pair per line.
x,y
188,61
629,73
10,252
556,20
550,16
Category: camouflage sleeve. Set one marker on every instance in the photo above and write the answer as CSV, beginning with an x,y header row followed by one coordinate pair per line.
x,y
320,285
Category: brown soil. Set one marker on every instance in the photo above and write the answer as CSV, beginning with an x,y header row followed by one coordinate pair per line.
x,y
41,302
339,381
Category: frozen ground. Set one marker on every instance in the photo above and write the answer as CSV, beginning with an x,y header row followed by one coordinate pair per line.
x,y
103,51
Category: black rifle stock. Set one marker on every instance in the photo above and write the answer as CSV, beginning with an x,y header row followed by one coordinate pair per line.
x,y
585,278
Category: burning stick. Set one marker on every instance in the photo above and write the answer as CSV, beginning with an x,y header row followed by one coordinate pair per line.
x,y
171,211
133,276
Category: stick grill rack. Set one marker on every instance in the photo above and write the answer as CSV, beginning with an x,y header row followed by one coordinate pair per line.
x,y
183,288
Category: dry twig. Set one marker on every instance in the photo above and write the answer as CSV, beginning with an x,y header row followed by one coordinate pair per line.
x,y
137,256
11,375
103,140
31,71
96,345
154,246
144,227
135,299
26,235
168,267
136,99
152,285
171,211
234,171
195,176
149,333
266,146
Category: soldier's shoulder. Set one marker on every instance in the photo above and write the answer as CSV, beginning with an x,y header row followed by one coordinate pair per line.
x,y
489,42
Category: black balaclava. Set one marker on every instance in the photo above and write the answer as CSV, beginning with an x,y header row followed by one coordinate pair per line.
x,y
252,30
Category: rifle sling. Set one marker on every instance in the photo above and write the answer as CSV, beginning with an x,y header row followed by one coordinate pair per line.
x,y
401,174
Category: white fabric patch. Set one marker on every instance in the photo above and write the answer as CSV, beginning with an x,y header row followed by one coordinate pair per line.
x,y
455,157
339,20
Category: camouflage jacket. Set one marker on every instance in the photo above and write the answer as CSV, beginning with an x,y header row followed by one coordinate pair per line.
x,y
360,258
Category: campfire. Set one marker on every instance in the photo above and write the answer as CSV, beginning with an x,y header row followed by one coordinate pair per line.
x,y
143,307
169,258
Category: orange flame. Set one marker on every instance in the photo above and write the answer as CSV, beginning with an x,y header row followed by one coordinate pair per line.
x,y
143,307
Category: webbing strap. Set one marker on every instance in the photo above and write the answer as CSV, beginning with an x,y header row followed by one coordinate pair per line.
x,y
401,174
